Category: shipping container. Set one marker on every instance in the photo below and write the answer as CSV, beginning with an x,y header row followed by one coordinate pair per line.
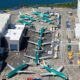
x,y
68,47
70,55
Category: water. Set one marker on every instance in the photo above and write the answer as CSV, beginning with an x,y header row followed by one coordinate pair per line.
x,y
13,3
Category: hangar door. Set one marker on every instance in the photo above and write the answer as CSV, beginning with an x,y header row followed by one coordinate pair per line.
x,y
13,47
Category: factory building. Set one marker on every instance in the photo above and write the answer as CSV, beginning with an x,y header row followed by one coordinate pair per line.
x,y
14,37
4,22
77,31
10,36
77,22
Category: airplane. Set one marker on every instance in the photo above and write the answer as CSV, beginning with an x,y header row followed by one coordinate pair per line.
x,y
37,13
23,16
41,31
38,57
17,70
47,20
40,43
40,14
52,71
44,15
25,22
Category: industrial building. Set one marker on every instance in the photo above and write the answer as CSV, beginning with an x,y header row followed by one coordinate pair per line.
x,y
14,37
4,22
9,36
77,31
77,22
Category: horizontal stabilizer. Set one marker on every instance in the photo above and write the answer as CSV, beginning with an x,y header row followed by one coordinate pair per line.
x,y
12,68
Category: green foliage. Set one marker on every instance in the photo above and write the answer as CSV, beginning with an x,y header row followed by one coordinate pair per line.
x,y
63,5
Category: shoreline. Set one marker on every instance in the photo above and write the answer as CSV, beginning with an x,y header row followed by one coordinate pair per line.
x,y
65,5
58,5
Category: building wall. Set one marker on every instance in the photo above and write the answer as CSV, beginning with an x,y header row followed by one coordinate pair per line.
x,y
2,38
78,10
21,39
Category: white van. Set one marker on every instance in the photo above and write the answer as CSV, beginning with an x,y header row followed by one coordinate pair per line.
x,y
55,54
56,48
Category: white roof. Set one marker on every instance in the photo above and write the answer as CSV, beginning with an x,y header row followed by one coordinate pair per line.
x,y
79,3
77,30
79,45
3,20
15,34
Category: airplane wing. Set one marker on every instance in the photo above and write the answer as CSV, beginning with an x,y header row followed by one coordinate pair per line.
x,y
12,68
46,43
46,57
28,72
30,57
47,32
33,42
50,74
47,74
